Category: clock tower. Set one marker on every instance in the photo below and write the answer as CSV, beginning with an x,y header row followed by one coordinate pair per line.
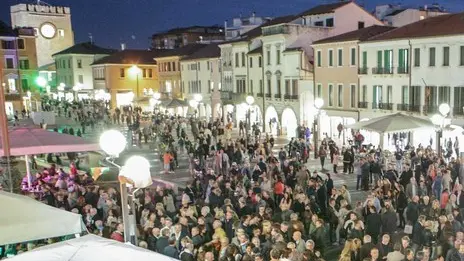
x,y
52,26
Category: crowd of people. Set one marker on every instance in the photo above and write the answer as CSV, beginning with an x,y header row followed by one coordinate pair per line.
x,y
245,203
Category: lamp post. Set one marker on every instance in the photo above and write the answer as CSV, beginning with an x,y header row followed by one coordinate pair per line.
x,y
135,70
249,100
198,98
76,91
156,98
135,173
194,105
318,103
440,120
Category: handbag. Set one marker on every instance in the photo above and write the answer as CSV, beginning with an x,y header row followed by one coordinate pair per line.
x,y
408,229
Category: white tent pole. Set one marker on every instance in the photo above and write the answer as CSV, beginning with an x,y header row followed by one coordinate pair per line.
x,y
28,171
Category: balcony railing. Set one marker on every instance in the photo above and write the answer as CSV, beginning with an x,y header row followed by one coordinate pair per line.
x,y
362,105
381,70
458,110
403,70
268,95
430,108
260,94
278,96
386,106
408,107
362,70
279,29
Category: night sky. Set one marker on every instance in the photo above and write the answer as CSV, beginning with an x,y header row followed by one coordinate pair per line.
x,y
112,22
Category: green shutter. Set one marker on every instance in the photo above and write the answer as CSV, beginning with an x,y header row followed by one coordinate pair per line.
x,y
374,95
401,58
379,59
364,62
386,61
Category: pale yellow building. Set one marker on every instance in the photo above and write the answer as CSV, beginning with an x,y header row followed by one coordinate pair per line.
x,y
129,76
336,81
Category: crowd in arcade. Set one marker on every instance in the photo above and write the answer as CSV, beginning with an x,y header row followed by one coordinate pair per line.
x,y
246,203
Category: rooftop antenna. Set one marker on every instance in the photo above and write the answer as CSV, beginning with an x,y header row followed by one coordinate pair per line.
x,y
91,38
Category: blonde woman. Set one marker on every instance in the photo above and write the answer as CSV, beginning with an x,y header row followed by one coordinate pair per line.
x,y
347,248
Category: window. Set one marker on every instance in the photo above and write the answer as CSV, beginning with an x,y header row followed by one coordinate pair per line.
x,y
432,56
268,53
330,95
279,85
261,87
446,56
403,60
361,25
9,63
340,57
168,69
417,57
79,63
353,57
198,66
24,64
461,55
236,60
444,94
12,85
388,61
122,73
21,45
144,73
24,85
459,99
260,62
81,79
405,94
319,91
353,96
329,22
243,59
251,87
389,94
8,44
251,62
69,64
61,32
173,66
379,60
319,58
377,96
319,23
340,95
269,86
364,93
287,87
364,59
278,56
330,58
189,87
199,86
294,87
150,73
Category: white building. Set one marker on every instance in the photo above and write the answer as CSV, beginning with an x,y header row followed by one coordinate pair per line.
x,y
241,25
414,69
395,15
273,62
73,65
200,74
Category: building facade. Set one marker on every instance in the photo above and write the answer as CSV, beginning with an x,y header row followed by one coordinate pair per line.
x,y
180,37
241,25
73,66
128,77
200,74
52,25
19,73
397,16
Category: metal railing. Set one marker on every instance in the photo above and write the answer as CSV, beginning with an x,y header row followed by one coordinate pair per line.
x,y
362,105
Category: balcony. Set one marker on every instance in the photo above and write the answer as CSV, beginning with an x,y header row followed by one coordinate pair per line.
x,y
403,70
408,107
290,97
362,105
278,96
13,96
381,70
294,97
279,29
386,106
430,109
226,95
363,70
260,94
268,95
458,110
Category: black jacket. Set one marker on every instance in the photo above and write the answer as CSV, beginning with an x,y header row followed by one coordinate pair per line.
x,y
412,212
161,243
151,242
389,220
417,233
184,256
366,250
373,225
171,251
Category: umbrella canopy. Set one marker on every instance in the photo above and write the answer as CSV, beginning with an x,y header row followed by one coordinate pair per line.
x,y
392,123
31,141
24,219
90,247
174,103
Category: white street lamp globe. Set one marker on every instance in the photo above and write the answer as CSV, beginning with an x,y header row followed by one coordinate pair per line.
x,y
437,119
112,142
193,103
41,81
250,100
318,103
76,88
137,172
444,109
198,98
156,95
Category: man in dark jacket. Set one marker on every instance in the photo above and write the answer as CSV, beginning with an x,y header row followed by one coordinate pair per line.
x,y
384,246
162,241
152,238
366,247
412,211
373,224
417,232
187,254
365,171
171,249
389,219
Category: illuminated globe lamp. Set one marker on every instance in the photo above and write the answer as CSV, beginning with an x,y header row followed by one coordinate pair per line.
x,y
250,100
444,109
41,81
156,95
112,142
136,172
193,103
318,103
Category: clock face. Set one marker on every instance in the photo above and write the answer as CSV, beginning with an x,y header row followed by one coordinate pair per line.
x,y
48,30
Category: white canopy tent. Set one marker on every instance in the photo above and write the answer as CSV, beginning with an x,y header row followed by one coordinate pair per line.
x,y
396,122
90,247
25,219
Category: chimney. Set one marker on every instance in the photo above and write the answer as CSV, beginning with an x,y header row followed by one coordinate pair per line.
x,y
123,46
